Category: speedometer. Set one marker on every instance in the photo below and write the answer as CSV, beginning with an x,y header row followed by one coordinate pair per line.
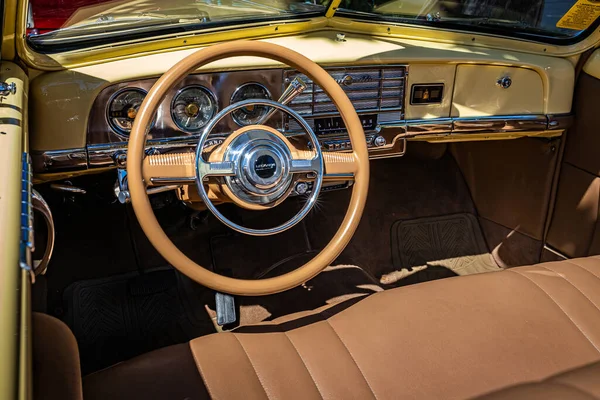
x,y
250,115
193,107
123,109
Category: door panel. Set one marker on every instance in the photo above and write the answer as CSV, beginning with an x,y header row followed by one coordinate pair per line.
x,y
574,229
13,144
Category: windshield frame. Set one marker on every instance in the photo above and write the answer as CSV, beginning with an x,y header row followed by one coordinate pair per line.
x,y
454,26
96,55
56,42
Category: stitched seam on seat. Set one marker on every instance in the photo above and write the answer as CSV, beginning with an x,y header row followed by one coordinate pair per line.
x,y
559,306
200,371
574,388
352,357
572,284
583,268
252,364
304,363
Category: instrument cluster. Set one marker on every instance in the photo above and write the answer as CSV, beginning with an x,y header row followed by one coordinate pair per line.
x,y
192,107
186,109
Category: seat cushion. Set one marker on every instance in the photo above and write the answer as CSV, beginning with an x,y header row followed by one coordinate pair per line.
x,y
454,338
582,383
56,371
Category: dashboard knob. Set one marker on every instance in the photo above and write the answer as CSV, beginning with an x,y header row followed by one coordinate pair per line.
x,y
301,188
505,82
379,141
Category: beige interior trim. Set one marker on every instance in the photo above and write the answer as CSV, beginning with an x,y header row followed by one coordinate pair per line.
x,y
592,66
141,203
52,93
12,144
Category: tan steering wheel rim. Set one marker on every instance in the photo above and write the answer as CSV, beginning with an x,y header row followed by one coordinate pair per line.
x,y
143,208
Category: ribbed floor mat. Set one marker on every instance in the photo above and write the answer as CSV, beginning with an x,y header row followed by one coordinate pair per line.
x,y
451,241
123,316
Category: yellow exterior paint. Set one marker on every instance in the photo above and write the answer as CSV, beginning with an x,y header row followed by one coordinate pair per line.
x,y
12,145
25,342
332,8
9,29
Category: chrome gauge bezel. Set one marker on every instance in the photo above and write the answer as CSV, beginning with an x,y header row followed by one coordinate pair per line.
x,y
235,93
211,95
116,129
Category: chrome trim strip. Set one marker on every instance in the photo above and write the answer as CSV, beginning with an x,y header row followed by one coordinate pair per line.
x,y
428,127
560,121
103,155
555,252
60,160
27,243
173,181
495,124
40,205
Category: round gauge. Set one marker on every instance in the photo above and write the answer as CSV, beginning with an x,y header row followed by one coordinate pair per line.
x,y
251,114
193,107
123,109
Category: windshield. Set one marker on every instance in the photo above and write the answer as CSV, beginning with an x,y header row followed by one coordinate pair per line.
x,y
59,25
558,19
60,22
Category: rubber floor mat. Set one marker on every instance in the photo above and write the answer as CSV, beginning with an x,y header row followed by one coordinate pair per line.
x,y
123,316
454,242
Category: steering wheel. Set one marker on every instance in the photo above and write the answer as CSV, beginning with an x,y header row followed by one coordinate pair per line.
x,y
255,168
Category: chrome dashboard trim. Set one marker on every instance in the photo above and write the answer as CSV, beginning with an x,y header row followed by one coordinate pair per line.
x,y
59,160
495,124
103,155
438,126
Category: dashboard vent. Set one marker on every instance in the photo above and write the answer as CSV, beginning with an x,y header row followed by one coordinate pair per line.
x,y
371,90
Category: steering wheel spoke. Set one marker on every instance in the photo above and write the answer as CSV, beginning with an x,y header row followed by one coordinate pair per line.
x,y
305,165
219,168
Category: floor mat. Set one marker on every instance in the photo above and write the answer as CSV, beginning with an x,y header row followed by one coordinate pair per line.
x,y
333,285
454,242
120,317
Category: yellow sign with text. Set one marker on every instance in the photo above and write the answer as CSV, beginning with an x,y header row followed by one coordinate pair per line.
x,y
581,15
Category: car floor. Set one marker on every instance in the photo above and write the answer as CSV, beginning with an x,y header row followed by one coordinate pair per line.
x,y
104,266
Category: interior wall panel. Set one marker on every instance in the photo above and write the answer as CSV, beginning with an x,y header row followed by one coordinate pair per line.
x,y
510,180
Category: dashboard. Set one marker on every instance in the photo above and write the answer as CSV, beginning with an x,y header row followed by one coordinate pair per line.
x,y
400,92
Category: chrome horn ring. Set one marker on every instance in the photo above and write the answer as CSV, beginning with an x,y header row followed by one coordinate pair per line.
x,y
314,165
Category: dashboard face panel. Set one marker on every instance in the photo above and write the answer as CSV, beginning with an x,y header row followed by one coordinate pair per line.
x,y
180,104
72,132
376,92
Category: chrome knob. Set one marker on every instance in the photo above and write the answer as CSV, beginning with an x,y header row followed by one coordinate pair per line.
x,y
123,196
302,188
379,141
504,82
7,88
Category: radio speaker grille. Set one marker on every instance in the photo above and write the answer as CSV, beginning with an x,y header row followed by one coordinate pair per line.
x,y
371,91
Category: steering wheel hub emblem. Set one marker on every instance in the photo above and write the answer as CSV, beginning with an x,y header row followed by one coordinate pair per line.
x,y
265,166
262,173
258,167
